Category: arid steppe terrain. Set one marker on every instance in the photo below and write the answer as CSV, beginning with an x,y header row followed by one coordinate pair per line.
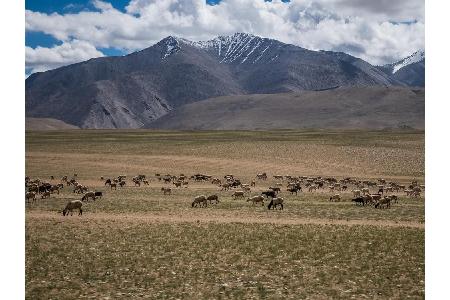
x,y
135,242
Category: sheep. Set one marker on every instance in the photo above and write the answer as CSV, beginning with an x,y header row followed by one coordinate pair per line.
x,y
359,200
237,194
200,200
275,189
256,199
54,188
212,198
33,188
356,193
261,176
45,195
177,184
87,196
385,201
312,188
269,193
80,189
365,191
393,198
375,198
253,183
294,189
145,181
335,197
113,185
75,204
225,186
166,190
98,194
30,195
122,183
388,189
368,199
275,202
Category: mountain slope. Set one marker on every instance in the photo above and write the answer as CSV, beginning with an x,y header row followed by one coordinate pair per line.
x,y
349,108
410,70
46,124
137,89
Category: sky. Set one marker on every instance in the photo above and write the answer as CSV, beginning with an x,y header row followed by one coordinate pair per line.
x,y
62,32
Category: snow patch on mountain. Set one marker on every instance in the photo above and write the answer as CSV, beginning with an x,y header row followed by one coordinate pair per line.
x,y
171,45
413,58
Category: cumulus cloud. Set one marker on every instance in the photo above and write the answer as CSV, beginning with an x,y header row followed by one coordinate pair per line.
x,y
41,59
377,31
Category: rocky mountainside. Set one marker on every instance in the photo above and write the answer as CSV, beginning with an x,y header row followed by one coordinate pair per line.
x,y
139,88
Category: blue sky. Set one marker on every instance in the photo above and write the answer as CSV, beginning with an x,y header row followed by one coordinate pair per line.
x,y
61,32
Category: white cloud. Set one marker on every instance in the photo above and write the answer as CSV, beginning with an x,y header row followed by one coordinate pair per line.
x,y
41,59
371,30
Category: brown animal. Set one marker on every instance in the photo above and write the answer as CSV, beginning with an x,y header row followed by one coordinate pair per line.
x,y
275,202
200,200
54,189
166,190
177,184
30,195
113,185
75,204
87,196
335,198
238,194
256,199
384,202
212,198
45,195
225,186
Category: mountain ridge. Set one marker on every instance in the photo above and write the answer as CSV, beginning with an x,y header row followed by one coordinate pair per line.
x,y
137,89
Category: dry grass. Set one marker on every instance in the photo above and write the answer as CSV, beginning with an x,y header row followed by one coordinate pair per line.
x,y
137,243
82,258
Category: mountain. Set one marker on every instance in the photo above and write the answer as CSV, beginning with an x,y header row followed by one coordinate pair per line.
x,y
410,70
139,88
344,108
46,124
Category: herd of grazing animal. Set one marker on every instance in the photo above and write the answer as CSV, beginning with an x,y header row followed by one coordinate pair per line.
x,y
360,190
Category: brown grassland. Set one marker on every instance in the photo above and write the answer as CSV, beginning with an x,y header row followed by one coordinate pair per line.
x,y
138,243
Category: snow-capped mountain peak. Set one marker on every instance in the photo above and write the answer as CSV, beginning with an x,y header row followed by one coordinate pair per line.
x,y
236,48
413,58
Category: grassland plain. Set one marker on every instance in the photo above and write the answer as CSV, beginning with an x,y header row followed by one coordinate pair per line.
x,y
137,243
